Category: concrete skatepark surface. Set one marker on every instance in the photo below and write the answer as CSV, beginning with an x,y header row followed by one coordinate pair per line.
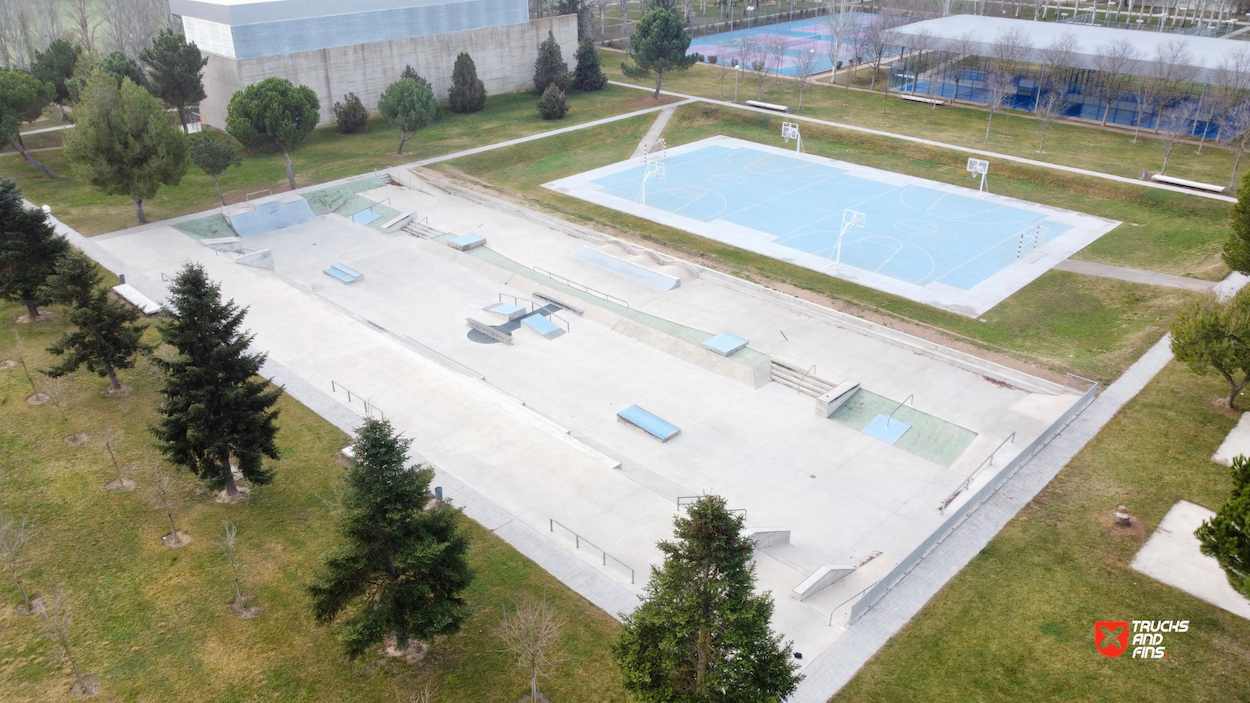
x,y
532,426
1171,555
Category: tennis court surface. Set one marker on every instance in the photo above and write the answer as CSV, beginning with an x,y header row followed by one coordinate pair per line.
x,y
943,245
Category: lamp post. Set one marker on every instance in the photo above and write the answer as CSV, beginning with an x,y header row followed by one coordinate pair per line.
x,y
737,72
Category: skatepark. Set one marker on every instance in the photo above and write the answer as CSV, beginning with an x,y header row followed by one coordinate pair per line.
x,y
588,386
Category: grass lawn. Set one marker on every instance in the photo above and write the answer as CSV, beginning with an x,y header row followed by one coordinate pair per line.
x,y
1017,623
153,623
1067,322
326,156
1079,144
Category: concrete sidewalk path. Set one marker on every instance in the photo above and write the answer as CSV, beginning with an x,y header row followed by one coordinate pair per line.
x,y
943,145
1121,273
544,135
657,128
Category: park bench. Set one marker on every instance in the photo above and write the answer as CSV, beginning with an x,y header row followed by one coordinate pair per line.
x,y
1208,187
768,106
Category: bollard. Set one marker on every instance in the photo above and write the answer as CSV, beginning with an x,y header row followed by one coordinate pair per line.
x,y
438,493
122,277
1122,516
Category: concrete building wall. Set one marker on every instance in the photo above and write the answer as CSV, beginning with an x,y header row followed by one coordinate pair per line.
x,y
504,56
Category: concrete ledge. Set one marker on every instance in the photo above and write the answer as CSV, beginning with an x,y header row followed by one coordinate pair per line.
x,y
223,243
828,404
397,221
490,331
767,536
628,269
131,295
466,242
820,578
260,259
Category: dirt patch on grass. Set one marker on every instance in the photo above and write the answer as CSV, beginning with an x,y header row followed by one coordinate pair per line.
x,y
77,439
176,541
120,485
43,316
412,653
38,399
244,607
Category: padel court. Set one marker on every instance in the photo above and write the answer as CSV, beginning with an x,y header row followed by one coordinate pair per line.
x,y
944,245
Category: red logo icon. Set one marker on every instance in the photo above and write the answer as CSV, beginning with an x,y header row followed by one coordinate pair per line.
x,y
1111,637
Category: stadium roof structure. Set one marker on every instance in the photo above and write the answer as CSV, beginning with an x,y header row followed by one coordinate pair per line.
x,y
1207,53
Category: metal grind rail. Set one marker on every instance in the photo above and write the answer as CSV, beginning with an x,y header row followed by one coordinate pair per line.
x,y
578,539
370,408
578,286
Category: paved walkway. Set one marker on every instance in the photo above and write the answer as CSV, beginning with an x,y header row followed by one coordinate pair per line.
x,y
544,135
943,145
657,128
1121,273
48,129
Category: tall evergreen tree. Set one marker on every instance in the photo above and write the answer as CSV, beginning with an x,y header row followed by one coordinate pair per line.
x,y
175,67
55,65
106,338
402,567
22,99
701,634
123,142
659,44
274,114
214,405
213,156
467,92
550,68
29,250
588,75
1237,246
410,72
121,67
1227,535
408,105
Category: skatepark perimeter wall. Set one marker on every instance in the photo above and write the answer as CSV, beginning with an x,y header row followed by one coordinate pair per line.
x,y
504,56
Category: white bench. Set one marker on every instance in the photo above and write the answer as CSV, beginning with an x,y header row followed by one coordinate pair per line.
x,y
1160,178
768,106
922,99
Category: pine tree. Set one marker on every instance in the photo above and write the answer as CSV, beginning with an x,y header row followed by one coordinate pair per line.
x,y
402,567
1227,535
214,406
213,156
588,75
467,92
29,250
410,72
176,68
701,633
550,68
553,105
659,44
106,338
350,116
1237,246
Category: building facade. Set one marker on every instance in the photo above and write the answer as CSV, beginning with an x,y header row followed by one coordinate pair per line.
x,y
335,50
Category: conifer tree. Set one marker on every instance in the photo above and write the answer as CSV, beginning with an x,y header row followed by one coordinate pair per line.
x,y
1226,536
588,76
659,44
550,68
1237,246
176,67
29,250
467,92
402,568
701,633
106,338
214,406
213,156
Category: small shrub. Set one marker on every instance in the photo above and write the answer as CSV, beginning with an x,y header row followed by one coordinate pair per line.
x,y
467,92
711,58
553,105
350,115
588,75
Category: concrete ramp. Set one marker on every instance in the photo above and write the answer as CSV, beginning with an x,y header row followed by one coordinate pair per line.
x,y
266,215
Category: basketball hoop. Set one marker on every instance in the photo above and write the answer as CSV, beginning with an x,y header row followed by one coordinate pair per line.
x,y
790,130
850,218
979,167
655,170
663,149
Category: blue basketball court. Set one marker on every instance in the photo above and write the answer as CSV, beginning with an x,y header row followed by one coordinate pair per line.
x,y
917,235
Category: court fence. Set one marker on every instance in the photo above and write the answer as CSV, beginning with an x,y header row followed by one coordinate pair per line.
x,y
957,516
